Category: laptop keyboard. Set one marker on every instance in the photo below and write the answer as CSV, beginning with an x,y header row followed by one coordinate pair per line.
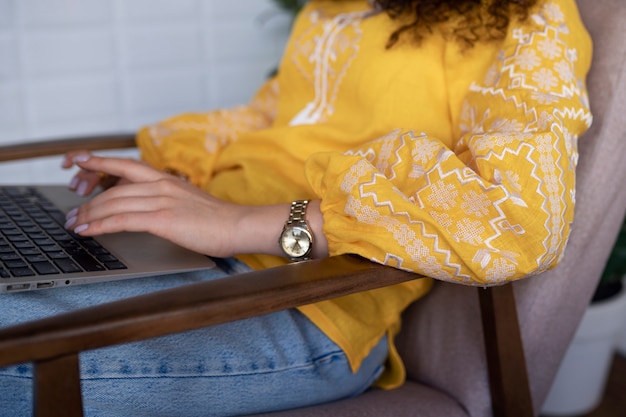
x,y
34,242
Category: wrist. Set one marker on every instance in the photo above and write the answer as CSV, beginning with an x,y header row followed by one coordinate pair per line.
x,y
259,228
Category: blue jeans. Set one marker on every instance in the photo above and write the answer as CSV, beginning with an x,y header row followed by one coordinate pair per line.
x,y
268,363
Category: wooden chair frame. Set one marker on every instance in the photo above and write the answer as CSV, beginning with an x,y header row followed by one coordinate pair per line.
x,y
54,344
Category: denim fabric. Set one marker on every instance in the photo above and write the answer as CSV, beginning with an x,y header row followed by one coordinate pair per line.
x,y
273,362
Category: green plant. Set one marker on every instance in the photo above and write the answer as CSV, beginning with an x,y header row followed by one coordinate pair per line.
x,y
291,6
615,269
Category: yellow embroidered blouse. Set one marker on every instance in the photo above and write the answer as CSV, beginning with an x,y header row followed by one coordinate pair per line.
x,y
454,164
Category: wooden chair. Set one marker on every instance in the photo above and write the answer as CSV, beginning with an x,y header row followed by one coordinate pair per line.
x,y
451,369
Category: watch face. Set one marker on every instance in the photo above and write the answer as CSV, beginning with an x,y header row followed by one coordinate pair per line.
x,y
296,242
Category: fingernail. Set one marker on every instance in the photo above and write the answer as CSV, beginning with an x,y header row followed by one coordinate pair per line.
x,y
82,188
72,213
70,222
81,228
81,158
74,183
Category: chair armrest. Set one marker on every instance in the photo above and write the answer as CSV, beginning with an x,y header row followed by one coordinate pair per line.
x,y
61,146
53,344
194,306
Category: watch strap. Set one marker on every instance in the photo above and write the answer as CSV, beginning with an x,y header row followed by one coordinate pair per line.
x,y
297,214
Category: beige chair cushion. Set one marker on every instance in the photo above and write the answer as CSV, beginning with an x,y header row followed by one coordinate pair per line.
x,y
411,400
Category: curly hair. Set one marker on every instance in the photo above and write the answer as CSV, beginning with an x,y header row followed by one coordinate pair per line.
x,y
475,20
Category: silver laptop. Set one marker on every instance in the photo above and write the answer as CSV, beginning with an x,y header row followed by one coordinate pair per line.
x,y
36,252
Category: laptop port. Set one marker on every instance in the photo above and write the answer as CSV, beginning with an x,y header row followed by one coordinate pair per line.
x,y
47,284
18,287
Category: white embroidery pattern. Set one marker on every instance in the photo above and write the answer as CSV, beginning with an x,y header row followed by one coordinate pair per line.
x,y
542,66
325,58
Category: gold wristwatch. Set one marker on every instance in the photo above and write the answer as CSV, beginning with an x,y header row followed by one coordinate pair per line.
x,y
296,239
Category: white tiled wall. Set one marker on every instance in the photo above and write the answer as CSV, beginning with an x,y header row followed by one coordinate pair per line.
x,y
71,67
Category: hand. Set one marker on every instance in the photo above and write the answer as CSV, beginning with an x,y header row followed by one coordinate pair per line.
x,y
155,202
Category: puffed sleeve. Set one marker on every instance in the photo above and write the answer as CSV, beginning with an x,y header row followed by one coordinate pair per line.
x,y
189,144
498,205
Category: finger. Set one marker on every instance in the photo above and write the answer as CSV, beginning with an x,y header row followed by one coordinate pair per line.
x,y
120,222
84,182
141,191
129,169
70,158
107,207
173,190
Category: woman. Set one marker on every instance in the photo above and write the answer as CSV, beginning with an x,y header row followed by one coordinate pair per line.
x,y
437,137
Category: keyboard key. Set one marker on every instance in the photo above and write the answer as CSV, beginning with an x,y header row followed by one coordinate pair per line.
x,y
22,272
44,268
106,258
56,230
41,218
67,265
21,245
69,245
5,248
91,244
57,255
9,256
19,217
4,273
57,216
62,237
36,258
50,248
43,242
30,251
88,263
37,235
49,225
76,251
98,251
17,238
115,265
16,263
